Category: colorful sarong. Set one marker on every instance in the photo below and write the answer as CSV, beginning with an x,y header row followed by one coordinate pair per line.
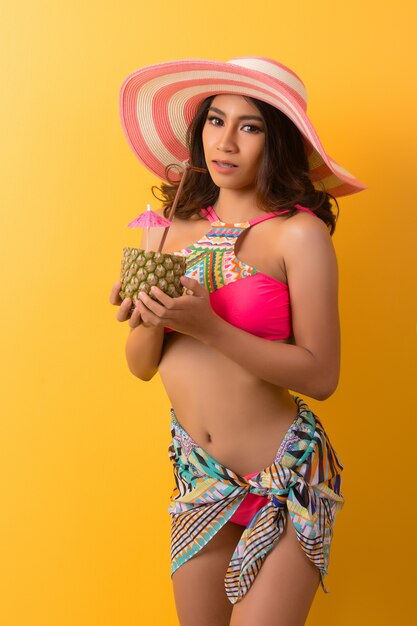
x,y
304,479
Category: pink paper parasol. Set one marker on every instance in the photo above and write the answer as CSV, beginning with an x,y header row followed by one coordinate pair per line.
x,y
149,219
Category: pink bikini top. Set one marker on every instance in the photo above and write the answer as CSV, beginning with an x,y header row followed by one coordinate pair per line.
x,y
239,293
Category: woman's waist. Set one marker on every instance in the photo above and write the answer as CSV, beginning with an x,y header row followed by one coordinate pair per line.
x,y
226,409
242,435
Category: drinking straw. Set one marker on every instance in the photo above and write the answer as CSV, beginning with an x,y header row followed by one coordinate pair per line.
x,y
177,196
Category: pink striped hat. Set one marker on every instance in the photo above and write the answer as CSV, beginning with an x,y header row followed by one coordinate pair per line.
x,y
158,102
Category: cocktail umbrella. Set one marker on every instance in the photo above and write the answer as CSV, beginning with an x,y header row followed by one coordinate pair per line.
x,y
149,219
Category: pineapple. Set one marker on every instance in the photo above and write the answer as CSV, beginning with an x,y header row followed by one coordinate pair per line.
x,y
143,268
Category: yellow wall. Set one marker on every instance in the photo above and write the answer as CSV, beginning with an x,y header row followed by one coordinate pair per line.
x,y
84,471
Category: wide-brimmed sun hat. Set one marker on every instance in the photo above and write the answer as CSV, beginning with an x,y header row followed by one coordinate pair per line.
x,y
158,102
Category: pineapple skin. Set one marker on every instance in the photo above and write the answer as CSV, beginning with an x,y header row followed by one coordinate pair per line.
x,y
141,269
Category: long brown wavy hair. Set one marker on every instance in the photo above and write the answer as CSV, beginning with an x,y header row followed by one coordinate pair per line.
x,y
283,176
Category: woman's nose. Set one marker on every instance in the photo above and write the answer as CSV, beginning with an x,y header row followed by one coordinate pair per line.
x,y
226,141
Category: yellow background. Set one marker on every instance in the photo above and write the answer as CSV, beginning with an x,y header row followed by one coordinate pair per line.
x,y
84,472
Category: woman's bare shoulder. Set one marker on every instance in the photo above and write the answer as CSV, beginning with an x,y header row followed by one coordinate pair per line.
x,y
289,234
304,228
309,254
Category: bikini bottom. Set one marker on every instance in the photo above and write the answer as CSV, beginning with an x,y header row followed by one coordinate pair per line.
x,y
304,481
249,506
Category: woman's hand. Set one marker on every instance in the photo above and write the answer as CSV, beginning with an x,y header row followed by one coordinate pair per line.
x,y
125,311
188,314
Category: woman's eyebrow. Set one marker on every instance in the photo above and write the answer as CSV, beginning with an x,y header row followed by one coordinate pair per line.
x,y
242,117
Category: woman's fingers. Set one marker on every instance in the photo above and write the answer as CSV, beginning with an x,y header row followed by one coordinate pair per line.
x,y
115,295
152,305
135,318
124,310
151,312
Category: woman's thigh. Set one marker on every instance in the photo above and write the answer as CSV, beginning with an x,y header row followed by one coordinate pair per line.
x,y
199,592
283,590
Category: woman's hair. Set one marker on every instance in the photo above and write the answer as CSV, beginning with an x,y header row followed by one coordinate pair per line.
x,y
283,175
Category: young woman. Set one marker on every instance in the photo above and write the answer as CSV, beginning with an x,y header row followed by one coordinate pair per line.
x,y
257,481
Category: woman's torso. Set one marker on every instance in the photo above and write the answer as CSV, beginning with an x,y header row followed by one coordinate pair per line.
x,y
235,416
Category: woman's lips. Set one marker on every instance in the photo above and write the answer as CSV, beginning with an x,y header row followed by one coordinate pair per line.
x,y
224,167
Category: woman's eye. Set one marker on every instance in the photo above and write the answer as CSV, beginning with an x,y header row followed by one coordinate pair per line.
x,y
252,129
216,121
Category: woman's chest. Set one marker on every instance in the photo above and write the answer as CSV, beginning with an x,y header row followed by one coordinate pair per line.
x,y
225,253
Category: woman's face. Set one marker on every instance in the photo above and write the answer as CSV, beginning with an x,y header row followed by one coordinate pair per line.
x,y
233,140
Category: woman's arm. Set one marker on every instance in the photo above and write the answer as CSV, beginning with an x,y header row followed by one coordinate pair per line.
x,y
312,365
144,350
